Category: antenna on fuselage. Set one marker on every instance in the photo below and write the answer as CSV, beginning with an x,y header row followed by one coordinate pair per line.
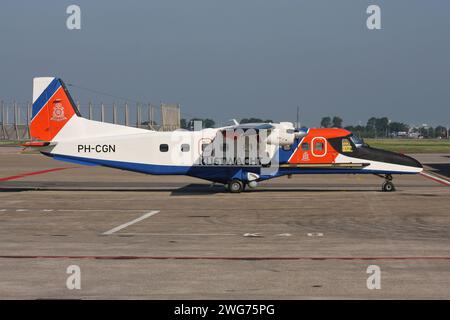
x,y
297,124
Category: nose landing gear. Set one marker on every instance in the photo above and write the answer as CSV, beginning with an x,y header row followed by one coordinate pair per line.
x,y
388,185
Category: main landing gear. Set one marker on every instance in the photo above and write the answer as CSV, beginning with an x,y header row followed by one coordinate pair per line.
x,y
387,185
235,186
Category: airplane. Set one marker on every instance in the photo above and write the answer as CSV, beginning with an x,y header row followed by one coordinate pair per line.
x,y
259,151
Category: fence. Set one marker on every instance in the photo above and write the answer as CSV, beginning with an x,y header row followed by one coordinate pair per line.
x,y
15,117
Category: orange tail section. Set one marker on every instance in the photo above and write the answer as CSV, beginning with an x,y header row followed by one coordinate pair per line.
x,y
53,108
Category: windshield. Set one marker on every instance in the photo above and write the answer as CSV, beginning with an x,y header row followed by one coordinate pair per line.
x,y
358,142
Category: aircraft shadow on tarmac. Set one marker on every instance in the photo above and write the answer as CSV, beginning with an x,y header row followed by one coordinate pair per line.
x,y
202,189
175,189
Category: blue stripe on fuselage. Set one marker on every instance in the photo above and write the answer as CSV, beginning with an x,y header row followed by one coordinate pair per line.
x,y
220,174
131,166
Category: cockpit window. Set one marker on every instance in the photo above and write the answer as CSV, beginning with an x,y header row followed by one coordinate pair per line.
x,y
358,142
346,145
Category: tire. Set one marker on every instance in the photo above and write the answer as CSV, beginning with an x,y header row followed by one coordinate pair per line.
x,y
388,186
235,186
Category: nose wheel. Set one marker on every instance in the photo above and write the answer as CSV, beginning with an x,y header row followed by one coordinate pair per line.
x,y
388,185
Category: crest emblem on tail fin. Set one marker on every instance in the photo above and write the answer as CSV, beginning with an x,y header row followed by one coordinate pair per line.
x,y
58,111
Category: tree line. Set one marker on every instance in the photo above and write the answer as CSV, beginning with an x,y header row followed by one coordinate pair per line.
x,y
382,127
374,128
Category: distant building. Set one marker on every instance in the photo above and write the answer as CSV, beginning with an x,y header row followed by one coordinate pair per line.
x,y
414,135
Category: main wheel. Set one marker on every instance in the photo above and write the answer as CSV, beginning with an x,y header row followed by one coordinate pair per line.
x,y
235,186
388,186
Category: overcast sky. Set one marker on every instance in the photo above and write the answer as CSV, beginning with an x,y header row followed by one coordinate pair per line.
x,y
239,58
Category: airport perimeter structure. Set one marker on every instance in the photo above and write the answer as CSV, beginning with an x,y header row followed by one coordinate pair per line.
x,y
15,116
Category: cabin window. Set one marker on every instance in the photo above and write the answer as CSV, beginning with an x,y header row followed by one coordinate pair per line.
x,y
185,147
164,147
305,146
318,146
346,146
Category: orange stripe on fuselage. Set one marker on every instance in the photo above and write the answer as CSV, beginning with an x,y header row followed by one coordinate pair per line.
x,y
52,117
301,156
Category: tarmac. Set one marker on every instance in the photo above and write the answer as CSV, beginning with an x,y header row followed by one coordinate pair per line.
x,y
137,236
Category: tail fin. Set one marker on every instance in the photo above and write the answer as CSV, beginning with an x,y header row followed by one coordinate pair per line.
x,y
53,108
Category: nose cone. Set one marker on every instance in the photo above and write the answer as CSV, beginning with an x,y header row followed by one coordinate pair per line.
x,y
411,162
391,158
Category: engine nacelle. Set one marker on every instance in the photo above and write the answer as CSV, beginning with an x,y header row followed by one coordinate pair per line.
x,y
281,137
284,134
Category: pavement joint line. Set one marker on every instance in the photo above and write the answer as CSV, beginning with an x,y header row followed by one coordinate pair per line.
x,y
231,258
176,234
71,210
100,210
122,226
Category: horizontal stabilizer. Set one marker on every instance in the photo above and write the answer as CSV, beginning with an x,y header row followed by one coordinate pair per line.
x,y
36,144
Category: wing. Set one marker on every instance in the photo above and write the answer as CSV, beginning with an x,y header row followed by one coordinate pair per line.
x,y
246,126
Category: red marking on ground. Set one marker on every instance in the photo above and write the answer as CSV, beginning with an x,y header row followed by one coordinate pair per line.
x,y
429,176
26,174
222,258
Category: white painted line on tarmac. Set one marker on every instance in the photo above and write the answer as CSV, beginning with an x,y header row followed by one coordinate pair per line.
x,y
315,234
122,226
253,235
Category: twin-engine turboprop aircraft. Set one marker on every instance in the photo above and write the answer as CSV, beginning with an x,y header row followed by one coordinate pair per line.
x,y
239,155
